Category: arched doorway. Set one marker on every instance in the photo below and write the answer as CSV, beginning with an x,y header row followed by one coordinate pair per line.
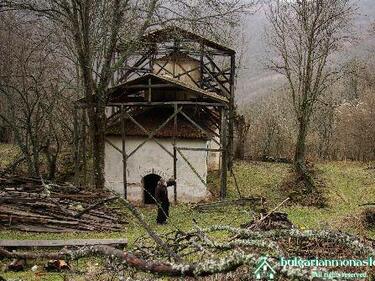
x,y
149,184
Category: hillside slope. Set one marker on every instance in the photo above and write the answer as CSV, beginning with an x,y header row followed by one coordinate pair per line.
x,y
347,185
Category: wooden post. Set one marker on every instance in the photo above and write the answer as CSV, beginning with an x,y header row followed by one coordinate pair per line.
x,y
76,146
224,154
123,136
84,145
231,110
201,62
149,90
175,153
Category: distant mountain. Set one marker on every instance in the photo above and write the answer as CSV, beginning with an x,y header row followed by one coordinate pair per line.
x,y
255,80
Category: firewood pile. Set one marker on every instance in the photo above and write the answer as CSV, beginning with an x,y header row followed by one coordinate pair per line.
x,y
30,204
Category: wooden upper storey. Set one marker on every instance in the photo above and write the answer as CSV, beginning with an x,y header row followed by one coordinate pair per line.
x,y
175,64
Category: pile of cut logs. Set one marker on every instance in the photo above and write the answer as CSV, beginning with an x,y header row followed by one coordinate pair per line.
x,y
31,204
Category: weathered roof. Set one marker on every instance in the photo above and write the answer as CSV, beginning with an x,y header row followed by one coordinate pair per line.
x,y
152,118
119,94
163,79
174,32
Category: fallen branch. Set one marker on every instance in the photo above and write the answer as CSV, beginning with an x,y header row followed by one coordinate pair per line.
x,y
366,204
229,255
269,213
88,209
352,242
138,215
208,267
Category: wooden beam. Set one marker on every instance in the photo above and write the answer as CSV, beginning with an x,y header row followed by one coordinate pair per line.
x,y
147,132
167,103
153,86
175,153
84,146
153,133
149,90
186,72
162,67
200,149
199,127
231,111
61,243
220,71
224,155
136,65
192,167
225,91
76,146
114,146
201,63
124,156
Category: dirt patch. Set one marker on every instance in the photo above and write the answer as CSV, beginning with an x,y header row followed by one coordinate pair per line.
x,y
352,221
368,218
295,188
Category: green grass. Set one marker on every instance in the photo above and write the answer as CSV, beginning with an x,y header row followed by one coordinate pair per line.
x,y
181,218
259,179
8,154
347,184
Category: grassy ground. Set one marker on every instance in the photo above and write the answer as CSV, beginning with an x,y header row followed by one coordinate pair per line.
x,y
8,154
347,184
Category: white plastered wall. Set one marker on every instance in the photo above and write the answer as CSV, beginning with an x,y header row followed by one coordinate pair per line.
x,y
152,159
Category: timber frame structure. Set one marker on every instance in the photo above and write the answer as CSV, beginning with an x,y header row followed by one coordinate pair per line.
x,y
213,95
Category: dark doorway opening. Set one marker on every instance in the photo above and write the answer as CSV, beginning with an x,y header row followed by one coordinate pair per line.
x,y
149,184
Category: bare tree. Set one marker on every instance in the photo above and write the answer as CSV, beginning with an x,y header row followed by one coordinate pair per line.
x,y
94,31
242,126
341,126
32,93
304,34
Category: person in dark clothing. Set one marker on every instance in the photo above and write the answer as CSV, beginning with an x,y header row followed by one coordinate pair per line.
x,y
161,196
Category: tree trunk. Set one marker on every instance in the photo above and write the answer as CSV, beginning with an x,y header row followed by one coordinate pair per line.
x,y
52,168
300,153
300,150
52,160
240,149
98,145
36,161
97,118
27,150
30,167
242,128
